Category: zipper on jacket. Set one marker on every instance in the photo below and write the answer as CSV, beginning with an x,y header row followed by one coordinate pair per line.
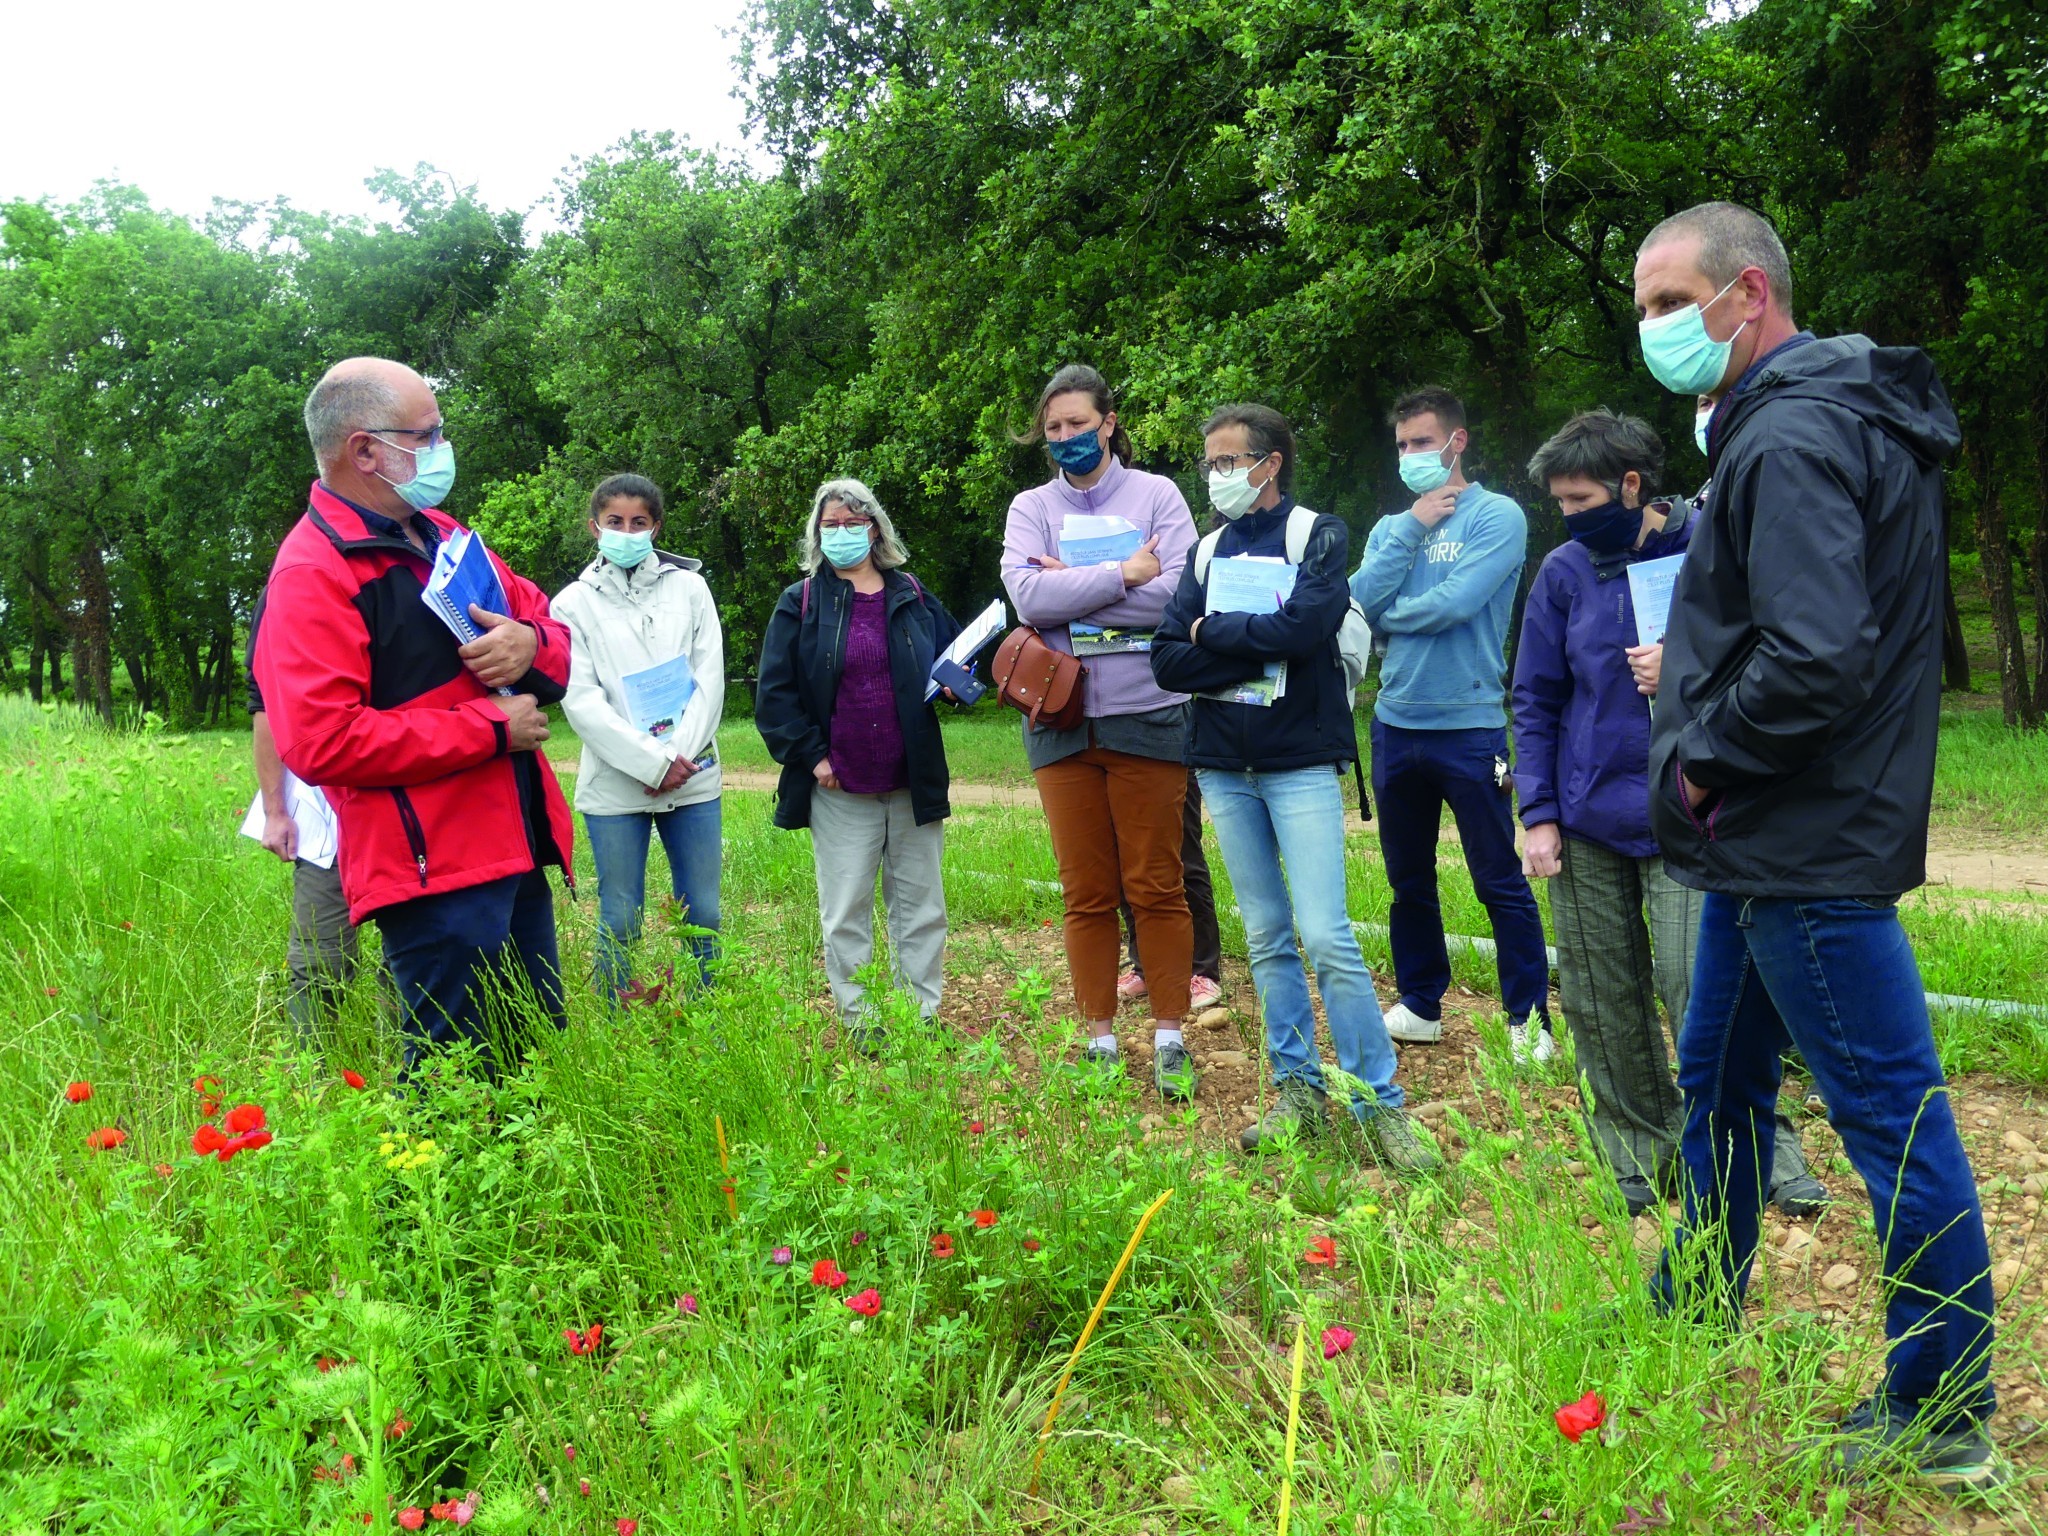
x,y
415,835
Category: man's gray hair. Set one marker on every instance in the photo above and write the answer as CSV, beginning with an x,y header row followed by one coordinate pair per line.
x,y
1603,446
1731,238
346,401
855,497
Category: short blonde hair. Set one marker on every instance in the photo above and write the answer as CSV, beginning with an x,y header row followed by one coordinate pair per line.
x,y
855,497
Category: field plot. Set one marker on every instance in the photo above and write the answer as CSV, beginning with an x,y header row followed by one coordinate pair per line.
x,y
534,1307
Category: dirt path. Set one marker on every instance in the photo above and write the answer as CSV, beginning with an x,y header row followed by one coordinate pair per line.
x,y
2023,871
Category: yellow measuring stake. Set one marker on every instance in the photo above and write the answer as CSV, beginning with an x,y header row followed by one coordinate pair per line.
x,y
1293,1420
732,1203
1053,1410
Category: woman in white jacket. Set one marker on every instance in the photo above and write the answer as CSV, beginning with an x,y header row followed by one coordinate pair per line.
x,y
646,690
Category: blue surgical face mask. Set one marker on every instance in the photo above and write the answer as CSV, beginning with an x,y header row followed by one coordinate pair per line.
x,y
624,549
1077,455
1424,470
846,546
1700,423
1605,530
1681,355
433,475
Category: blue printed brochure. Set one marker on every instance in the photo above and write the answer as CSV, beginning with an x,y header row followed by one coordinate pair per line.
x,y
1249,584
1649,587
657,696
1089,538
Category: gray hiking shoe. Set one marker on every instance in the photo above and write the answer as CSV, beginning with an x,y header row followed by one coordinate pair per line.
x,y
1397,1143
1871,1444
1099,1066
1173,1073
1298,1111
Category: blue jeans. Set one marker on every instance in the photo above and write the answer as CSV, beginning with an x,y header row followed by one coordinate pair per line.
x,y
690,835
1414,775
461,960
1837,979
1282,836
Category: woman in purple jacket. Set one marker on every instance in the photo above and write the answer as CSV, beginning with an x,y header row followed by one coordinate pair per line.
x,y
1113,786
1583,685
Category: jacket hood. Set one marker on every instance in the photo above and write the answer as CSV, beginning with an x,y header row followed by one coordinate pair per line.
x,y
1895,389
605,576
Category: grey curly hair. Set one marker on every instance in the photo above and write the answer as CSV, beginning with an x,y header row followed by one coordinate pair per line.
x,y
855,497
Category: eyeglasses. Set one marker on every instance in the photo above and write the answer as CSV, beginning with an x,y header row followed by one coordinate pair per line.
x,y
1227,463
855,521
433,434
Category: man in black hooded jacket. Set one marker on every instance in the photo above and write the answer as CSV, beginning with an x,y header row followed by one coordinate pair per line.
x,y
1791,769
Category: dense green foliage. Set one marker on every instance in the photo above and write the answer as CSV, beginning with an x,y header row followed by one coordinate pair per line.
x,y
1313,203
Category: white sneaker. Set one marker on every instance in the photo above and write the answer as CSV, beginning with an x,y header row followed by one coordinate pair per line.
x,y
1531,1046
1411,1029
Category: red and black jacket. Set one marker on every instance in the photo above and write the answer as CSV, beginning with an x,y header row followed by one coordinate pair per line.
x,y
368,699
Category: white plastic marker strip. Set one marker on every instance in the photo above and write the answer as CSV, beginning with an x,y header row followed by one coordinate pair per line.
x,y
1937,1002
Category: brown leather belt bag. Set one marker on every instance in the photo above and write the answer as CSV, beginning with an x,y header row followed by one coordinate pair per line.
x,y
1033,677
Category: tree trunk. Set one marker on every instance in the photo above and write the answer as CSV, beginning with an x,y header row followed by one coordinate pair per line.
x,y
92,649
2039,412
1995,561
1955,650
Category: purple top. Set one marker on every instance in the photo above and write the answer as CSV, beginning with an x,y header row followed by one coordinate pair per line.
x,y
867,739
1051,600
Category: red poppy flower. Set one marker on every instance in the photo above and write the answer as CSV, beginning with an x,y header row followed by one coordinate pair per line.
x,y
206,1085
243,1118
106,1138
942,1247
247,1142
326,1475
445,1510
984,1219
1574,1419
208,1139
163,1168
1323,1251
1032,1245
398,1427
49,991
827,1274
412,1517
586,1342
628,1527
867,1303
78,1093
127,927
353,1078
1336,1339
975,1127
325,1363
208,1108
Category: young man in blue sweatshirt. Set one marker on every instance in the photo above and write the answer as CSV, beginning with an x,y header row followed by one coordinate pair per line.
x,y
1438,585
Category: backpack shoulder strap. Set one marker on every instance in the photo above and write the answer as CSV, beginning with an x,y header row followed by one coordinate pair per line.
x,y
1204,553
1301,522
803,610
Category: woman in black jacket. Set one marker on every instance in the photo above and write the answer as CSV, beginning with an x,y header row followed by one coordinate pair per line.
x,y
841,704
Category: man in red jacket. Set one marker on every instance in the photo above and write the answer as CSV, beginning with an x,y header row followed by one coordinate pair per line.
x,y
448,812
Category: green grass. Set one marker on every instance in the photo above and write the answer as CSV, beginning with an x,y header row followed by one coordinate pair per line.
x,y
161,1333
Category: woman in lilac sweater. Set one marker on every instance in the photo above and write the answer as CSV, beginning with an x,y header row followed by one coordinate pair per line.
x,y
1113,787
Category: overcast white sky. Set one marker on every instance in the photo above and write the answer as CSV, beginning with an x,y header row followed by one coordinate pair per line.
x,y
249,101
